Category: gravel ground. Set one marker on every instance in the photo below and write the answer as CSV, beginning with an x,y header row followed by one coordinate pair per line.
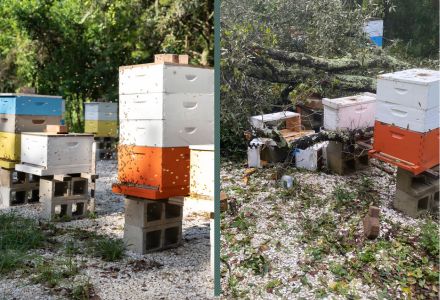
x,y
183,273
275,244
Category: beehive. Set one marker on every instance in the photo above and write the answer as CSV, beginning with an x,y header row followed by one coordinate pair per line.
x,y
350,113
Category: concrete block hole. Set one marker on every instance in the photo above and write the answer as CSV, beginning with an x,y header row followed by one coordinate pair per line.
x,y
154,211
78,209
172,211
61,188
79,187
171,236
61,210
152,240
423,203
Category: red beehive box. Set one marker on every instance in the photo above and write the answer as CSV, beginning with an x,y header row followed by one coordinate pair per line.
x,y
153,172
409,150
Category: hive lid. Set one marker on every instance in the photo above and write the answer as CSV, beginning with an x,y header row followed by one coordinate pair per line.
x,y
258,121
414,76
209,147
28,95
337,103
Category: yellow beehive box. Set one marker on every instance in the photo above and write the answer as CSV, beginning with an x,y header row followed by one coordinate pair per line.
x,y
101,128
10,146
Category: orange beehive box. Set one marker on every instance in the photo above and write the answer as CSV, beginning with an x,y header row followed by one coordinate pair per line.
x,y
409,150
153,172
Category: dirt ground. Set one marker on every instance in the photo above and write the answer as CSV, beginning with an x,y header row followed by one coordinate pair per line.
x,y
181,273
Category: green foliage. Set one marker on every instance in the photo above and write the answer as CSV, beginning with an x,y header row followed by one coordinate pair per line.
x,y
74,48
257,263
343,196
241,222
429,238
413,27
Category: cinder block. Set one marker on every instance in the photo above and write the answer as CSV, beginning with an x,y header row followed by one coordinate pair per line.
x,y
16,179
416,185
70,208
344,159
151,239
17,196
414,206
68,188
146,213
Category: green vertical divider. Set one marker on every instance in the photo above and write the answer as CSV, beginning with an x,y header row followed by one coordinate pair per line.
x,y
217,287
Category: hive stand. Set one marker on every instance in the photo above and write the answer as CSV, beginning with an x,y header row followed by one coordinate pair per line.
x,y
17,188
152,225
344,159
416,194
64,196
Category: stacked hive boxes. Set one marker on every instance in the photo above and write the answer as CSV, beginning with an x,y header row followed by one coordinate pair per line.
x,y
163,108
406,132
406,129
348,113
22,113
101,119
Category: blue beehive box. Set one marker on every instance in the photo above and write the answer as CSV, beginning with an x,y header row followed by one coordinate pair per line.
x,y
36,105
374,29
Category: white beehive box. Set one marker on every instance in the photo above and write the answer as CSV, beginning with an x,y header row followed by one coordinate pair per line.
x,y
166,133
165,78
262,121
351,112
202,171
409,118
417,88
161,106
105,111
311,158
44,153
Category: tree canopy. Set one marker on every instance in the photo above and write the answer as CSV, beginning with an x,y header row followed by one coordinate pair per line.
x,y
73,48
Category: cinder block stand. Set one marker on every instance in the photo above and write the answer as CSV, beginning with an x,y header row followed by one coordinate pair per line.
x,y
17,188
416,194
152,225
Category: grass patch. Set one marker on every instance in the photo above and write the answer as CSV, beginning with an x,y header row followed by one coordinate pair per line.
x,y
109,249
82,291
18,235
